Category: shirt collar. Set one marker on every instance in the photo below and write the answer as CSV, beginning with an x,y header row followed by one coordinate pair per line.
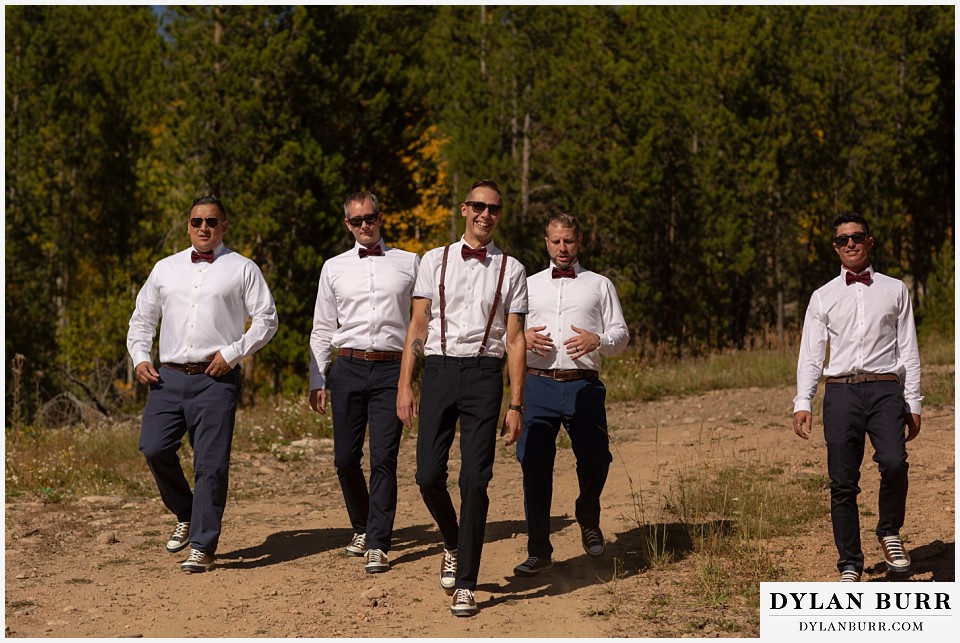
x,y
576,266
219,250
490,246
869,270
357,245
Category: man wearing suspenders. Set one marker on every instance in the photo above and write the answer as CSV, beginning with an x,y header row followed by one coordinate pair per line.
x,y
468,310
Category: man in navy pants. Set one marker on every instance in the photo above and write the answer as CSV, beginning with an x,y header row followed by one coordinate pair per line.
x,y
204,295
865,319
574,317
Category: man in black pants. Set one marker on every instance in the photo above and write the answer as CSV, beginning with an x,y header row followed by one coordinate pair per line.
x,y
204,295
362,309
472,299
865,319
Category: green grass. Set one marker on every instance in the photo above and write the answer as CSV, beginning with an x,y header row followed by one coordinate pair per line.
x,y
630,377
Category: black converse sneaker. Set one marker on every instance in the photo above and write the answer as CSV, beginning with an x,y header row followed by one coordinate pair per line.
x,y
593,542
533,566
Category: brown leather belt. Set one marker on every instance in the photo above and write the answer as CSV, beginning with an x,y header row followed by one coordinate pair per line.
x,y
565,374
191,368
860,378
371,356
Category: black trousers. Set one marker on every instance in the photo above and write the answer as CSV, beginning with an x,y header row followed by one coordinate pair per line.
x,y
469,389
204,408
361,393
851,411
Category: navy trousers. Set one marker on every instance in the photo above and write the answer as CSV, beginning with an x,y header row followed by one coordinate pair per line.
x,y
851,411
361,393
579,407
205,409
469,389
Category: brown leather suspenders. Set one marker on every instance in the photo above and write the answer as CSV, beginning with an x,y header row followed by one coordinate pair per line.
x,y
443,303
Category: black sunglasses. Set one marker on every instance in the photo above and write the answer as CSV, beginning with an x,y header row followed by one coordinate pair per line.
x,y
858,238
212,222
367,218
480,206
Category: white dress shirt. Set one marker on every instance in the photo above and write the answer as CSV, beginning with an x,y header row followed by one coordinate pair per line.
x,y
470,288
205,307
368,298
588,301
868,329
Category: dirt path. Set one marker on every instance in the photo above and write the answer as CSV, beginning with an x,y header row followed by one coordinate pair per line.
x,y
96,567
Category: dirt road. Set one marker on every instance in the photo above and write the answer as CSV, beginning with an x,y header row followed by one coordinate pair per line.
x,y
97,568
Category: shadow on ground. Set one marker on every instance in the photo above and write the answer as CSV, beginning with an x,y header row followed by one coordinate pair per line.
x,y
627,554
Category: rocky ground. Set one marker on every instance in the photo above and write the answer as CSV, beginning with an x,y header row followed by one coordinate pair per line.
x,y
97,568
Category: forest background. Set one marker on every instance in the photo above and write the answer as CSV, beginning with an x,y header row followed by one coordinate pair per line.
x,y
705,149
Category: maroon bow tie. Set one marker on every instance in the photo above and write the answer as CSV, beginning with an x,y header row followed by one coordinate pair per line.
x,y
375,251
565,272
480,253
197,257
863,277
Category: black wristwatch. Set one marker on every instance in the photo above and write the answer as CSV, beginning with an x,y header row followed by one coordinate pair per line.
x,y
517,407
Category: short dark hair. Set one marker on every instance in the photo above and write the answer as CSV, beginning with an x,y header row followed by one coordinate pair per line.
x,y
850,216
360,197
484,183
564,219
210,200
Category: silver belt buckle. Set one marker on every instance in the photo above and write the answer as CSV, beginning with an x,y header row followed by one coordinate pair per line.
x,y
367,353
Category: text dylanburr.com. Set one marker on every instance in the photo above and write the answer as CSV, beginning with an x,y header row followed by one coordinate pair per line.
x,y
891,610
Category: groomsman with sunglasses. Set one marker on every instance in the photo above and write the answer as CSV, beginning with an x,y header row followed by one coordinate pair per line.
x,y
865,320
575,317
204,296
469,303
362,310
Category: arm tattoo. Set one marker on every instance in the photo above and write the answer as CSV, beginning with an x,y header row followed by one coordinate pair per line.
x,y
417,347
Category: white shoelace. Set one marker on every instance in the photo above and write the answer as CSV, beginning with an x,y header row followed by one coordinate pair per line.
x,y
181,531
449,562
359,541
462,596
195,556
849,576
894,546
376,556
